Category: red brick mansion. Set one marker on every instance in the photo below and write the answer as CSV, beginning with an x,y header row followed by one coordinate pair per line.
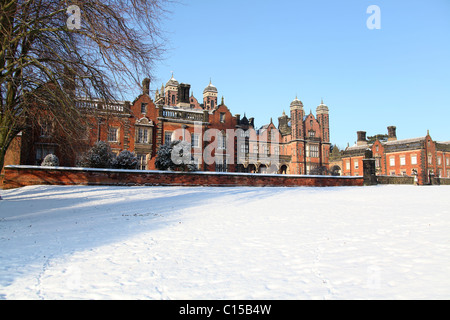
x,y
220,141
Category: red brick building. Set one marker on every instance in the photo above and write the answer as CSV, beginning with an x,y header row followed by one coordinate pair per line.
x,y
220,140
395,157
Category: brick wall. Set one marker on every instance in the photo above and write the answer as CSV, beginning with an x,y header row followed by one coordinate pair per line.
x,y
395,180
19,176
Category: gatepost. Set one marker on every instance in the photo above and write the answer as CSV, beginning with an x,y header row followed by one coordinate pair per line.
x,y
369,175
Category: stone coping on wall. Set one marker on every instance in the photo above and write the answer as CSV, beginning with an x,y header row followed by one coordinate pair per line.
x,y
18,176
21,167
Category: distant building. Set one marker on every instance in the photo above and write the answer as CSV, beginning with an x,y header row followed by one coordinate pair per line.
x,y
421,155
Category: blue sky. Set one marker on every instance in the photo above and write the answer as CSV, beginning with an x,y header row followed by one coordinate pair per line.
x,y
261,54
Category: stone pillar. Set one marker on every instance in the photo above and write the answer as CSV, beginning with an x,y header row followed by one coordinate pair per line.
x,y
369,175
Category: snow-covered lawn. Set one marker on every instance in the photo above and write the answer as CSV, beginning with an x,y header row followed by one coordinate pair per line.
x,y
383,242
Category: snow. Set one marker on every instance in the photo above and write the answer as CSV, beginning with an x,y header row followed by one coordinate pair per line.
x,y
90,242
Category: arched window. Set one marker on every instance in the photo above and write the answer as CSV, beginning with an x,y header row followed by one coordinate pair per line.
x,y
173,99
212,104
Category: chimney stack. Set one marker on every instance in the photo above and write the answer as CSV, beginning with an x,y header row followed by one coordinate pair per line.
x,y
361,138
146,86
392,134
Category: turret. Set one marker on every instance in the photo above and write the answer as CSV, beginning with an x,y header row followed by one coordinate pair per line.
x,y
297,115
210,97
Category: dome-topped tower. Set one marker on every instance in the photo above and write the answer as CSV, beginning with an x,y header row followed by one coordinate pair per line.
x,y
172,82
324,120
322,108
210,97
296,104
171,92
297,115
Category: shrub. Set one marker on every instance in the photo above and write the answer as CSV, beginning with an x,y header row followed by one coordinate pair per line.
x,y
176,156
99,156
50,160
125,160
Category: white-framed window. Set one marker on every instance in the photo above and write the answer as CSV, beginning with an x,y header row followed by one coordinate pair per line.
x,y
356,164
142,161
142,135
402,160
347,165
377,162
221,165
312,151
448,173
195,140
222,117
167,138
414,159
222,141
447,161
113,134
392,162
430,158
439,160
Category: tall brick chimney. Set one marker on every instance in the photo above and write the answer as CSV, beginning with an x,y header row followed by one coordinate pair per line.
x,y
361,138
392,134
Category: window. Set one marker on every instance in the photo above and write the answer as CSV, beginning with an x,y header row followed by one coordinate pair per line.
x,y
356,164
42,151
312,133
377,162
312,151
347,165
273,135
221,165
167,138
448,173
173,99
413,159
222,117
113,134
402,160
143,107
392,162
439,161
430,159
222,142
195,140
447,161
212,105
142,161
142,136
